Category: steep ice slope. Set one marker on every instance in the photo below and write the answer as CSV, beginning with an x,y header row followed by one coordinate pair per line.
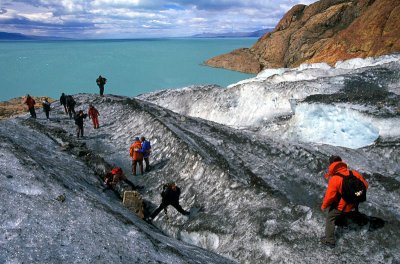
x,y
89,226
260,196
274,152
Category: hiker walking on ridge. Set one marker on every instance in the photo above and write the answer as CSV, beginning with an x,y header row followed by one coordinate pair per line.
x,y
146,150
46,107
30,102
70,102
101,81
338,197
93,114
137,156
170,196
79,118
63,102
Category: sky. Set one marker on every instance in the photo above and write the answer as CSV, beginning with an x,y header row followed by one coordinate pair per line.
x,y
139,18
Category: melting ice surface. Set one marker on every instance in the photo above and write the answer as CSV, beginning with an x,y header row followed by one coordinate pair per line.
x,y
251,157
331,125
255,103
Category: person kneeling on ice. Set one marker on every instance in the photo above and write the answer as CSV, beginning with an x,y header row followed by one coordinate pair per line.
x,y
346,188
170,196
115,176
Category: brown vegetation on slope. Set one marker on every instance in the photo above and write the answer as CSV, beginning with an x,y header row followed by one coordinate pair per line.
x,y
16,106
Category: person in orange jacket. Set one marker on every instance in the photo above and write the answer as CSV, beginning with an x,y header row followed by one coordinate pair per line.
x,y
137,156
30,102
332,199
94,114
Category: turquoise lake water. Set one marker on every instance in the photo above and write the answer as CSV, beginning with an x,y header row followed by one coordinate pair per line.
x,y
131,67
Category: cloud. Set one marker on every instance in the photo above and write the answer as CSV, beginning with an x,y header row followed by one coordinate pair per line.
x,y
108,18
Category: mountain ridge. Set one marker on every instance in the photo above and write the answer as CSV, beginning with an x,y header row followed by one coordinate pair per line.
x,y
257,33
19,36
325,31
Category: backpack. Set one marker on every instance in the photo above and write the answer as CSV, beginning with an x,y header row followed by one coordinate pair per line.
x,y
353,189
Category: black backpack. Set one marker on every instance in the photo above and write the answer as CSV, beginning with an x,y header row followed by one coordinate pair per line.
x,y
353,189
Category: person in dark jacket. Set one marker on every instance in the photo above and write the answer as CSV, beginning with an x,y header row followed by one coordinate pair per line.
x,y
79,118
170,196
101,81
146,150
30,102
46,107
63,102
70,101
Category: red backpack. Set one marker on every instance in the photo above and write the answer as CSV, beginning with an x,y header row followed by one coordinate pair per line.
x,y
116,170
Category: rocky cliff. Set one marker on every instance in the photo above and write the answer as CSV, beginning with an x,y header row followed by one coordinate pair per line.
x,y
326,31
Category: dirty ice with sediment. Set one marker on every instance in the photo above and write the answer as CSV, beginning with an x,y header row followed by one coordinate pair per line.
x,y
252,156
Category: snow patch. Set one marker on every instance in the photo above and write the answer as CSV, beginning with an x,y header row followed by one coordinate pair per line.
x,y
357,63
205,239
316,70
268,248
29,190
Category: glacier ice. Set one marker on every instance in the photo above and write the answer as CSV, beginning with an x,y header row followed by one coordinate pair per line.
x,y
251,156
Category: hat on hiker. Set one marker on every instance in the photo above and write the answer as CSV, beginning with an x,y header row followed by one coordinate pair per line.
x,y
136,138
334,158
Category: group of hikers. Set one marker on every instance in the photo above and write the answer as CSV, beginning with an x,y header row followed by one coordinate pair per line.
x,y
68,102
346,188
140,150
30,102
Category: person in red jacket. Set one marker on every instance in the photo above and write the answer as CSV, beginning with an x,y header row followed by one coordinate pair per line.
x,y
93,114
137,156
332,199
30,102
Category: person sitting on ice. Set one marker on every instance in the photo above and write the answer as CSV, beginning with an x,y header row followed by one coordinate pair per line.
x,y
170,196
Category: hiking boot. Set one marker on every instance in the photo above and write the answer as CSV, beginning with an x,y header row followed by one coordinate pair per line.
x,y
327,243
148,219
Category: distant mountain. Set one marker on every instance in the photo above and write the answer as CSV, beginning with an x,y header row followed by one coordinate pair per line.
x,y
255,34
19,36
